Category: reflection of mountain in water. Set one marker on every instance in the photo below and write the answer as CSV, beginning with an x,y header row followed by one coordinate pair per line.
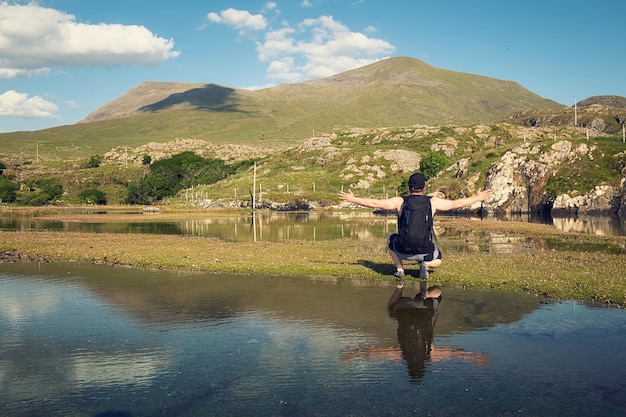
x,y
170,297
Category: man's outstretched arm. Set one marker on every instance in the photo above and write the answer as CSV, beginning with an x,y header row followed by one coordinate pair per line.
x,y
393,203
445,205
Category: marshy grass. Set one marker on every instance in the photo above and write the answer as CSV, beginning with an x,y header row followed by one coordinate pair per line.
x,y
583,267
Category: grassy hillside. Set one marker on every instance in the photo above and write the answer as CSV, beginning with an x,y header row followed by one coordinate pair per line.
x,y
372,162
376,162
395,92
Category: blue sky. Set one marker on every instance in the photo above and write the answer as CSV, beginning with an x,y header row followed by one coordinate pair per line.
x,y
62,59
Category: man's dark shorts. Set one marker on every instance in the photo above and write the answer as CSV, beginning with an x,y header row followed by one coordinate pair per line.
x,y
393,239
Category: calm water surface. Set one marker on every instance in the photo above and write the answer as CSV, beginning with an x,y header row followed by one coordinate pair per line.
x,y
86,340
272,226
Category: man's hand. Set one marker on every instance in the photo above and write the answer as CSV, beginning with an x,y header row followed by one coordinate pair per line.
x,y
349,196
484,195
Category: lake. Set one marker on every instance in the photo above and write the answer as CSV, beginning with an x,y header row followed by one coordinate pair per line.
x,y
92,340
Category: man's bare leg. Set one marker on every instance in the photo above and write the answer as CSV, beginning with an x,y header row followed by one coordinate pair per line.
x,y
397,261
434,263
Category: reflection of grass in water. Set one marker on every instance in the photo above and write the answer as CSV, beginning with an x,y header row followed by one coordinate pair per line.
x,y
575,266
484,242
559,245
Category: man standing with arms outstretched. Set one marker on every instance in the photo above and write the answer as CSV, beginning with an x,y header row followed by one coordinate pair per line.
x,y
415,222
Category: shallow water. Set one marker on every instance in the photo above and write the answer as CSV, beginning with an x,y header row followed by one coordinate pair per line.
x,y
273,226
82,340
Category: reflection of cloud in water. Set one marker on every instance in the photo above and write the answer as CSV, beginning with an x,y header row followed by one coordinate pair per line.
x,y
17,307
101,370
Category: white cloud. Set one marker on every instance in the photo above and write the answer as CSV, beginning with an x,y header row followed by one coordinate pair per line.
x,y
270,5
241,20
318,48
284,69
22,73
315,48
34,38
14,104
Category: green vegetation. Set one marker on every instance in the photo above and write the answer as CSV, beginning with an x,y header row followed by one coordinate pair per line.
x,y
94,161
8,190
93,196
168,176
432,164
39,192
356,158
583,174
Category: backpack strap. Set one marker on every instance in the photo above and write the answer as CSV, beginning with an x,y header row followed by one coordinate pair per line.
x,y
434,236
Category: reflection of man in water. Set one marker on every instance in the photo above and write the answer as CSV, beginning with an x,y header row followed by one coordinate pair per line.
x,y
416,321
416,318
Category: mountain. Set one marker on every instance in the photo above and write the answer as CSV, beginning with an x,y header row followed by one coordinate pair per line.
x,y
611,101
398,91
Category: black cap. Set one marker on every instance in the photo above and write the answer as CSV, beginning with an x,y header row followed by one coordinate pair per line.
x,y
417,181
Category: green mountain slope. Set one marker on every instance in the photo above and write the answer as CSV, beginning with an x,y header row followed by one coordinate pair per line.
x,y
395,92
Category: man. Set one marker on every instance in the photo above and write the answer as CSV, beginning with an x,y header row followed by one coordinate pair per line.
x,y
413,240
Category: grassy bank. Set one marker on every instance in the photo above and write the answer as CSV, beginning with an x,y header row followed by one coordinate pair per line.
x,y
582,267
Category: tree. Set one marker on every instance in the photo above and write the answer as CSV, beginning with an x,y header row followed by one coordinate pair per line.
x,y
54,189
40,192
432,164
147,190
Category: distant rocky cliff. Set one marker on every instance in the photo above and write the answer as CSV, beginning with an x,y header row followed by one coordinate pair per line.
x,y
599,115
519,178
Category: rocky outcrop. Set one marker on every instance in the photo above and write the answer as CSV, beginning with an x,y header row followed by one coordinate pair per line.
x,y
517,182
595,117
602,199
156,151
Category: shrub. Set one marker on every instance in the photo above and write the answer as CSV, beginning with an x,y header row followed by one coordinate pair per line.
x,y
49,186
93,196
8,190
35,199
94,161
432,164
169,176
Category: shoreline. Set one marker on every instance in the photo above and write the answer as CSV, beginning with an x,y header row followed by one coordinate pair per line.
x,y
584,267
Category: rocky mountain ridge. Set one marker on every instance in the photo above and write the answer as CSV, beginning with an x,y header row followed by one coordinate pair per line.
x,y
601,115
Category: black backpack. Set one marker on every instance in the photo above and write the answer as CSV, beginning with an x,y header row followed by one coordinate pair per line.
x,y
415,225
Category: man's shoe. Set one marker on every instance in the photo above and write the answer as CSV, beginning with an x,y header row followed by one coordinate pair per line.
x,y
399,277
